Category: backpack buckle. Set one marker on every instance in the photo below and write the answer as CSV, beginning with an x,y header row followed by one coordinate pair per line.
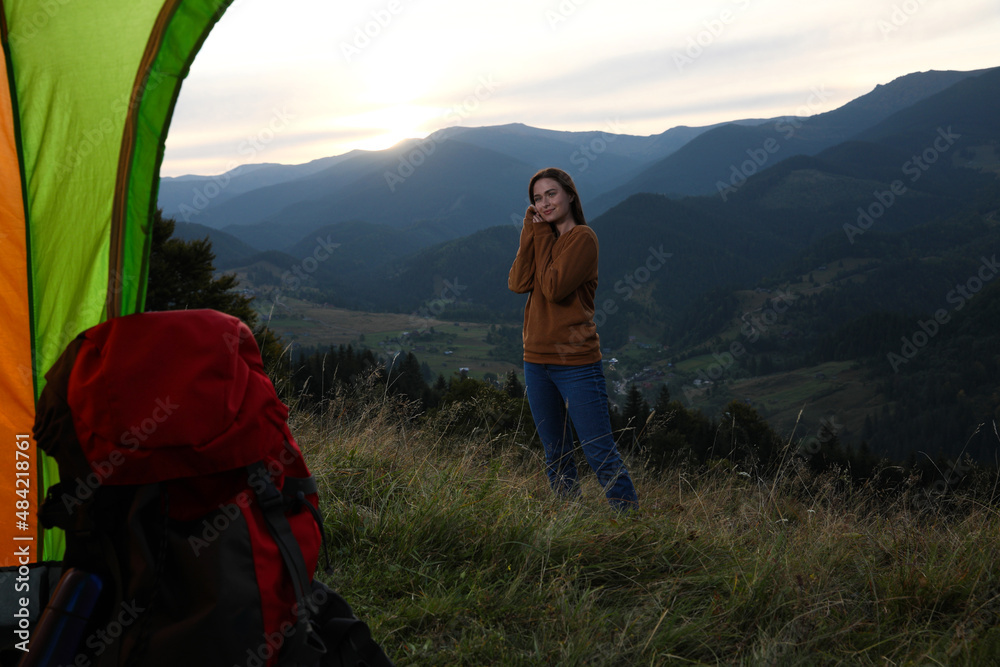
x,y
260,481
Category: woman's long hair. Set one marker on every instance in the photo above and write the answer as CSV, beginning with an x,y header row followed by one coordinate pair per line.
x,y
566,181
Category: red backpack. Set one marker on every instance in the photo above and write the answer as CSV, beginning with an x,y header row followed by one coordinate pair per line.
x,y
185,497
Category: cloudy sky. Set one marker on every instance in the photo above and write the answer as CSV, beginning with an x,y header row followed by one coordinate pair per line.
x,y
296,80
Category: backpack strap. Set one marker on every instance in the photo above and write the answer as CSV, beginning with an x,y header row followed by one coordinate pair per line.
x,y
272,505
295,485
304,647
348,640
326,631
154,499
295,490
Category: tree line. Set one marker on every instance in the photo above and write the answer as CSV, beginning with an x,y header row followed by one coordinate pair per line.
x,y
662,435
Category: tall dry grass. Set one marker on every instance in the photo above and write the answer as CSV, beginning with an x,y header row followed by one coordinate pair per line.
x,y
454,550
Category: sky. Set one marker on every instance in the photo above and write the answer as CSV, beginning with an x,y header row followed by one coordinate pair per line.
x,y
297,80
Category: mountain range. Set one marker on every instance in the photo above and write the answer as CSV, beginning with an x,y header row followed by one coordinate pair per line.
x,y
871,215
460,180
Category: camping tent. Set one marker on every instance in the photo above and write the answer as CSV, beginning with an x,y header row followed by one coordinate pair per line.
x,y
86,94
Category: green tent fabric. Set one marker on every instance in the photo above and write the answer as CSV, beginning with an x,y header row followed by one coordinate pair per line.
x,y
87,90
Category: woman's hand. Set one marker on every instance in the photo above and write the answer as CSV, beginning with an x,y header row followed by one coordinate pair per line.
x,y
532,215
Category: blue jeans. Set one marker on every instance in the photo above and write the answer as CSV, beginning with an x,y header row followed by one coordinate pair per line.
x,y
561,395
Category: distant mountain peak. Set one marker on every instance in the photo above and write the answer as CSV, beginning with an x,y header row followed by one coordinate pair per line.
x,y
908,89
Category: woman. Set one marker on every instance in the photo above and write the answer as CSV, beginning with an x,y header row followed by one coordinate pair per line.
x,y
556,265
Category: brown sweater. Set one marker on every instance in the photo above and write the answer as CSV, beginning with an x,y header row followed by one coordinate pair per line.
x,y
560,275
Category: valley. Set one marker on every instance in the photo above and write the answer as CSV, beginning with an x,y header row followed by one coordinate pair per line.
x,y
840,392
789,293
446,347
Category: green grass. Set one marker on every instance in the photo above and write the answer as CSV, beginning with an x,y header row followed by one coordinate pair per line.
x,y
312,325
466,342
795,400
455,552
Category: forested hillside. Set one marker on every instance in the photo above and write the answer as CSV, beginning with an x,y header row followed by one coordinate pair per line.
x,y
861,274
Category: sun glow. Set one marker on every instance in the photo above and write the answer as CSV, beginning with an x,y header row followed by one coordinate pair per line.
x,y
387,126
369,74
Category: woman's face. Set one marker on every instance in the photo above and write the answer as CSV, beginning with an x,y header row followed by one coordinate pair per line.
x,y
551,201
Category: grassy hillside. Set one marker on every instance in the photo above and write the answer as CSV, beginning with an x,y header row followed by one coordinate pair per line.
x,y
455,552
868,244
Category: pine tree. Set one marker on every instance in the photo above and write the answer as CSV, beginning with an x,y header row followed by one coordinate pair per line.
x,y
662,406
635,413
436,392
512,386
182,277
406,378
869,427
